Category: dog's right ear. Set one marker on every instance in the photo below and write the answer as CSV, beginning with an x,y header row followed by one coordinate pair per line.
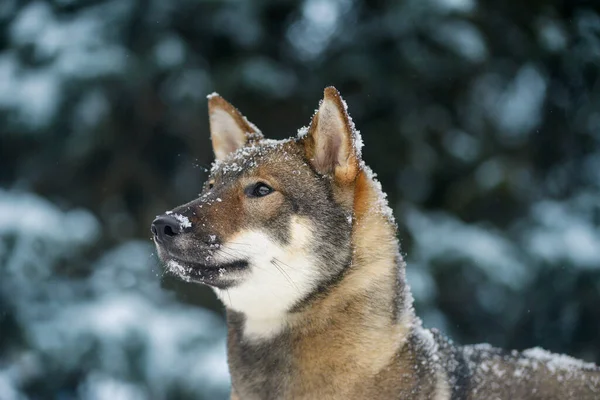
x,y
229,129
331,141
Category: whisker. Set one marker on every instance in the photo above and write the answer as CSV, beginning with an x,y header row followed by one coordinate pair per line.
x,y
230,253
276,264
283,269
229,296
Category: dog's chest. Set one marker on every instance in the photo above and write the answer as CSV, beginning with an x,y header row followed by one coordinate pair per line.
x,y
274,369
259,370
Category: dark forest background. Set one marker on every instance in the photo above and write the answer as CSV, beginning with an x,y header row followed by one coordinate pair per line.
x,y
481,118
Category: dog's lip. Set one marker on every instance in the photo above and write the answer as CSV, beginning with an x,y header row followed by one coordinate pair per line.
x,y
221,275
228,266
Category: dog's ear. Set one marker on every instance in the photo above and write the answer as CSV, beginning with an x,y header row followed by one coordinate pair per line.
x,y
229,129
331,142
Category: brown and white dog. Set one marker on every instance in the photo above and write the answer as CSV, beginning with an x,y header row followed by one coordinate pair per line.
x,y
295,237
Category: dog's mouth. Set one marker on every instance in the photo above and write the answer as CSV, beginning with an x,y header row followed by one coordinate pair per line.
x,y
222,275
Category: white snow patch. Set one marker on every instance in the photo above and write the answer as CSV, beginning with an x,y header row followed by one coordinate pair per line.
x,y
557,362
184,221
349,218
175,267
302,132
246,157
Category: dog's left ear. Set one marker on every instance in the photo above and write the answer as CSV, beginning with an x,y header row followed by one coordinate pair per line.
x,y
331,142
229,129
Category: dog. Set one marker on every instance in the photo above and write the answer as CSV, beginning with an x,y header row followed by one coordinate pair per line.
x,y
296,239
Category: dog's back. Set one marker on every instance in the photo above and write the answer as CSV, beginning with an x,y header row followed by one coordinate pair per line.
x,y
485,372
431,367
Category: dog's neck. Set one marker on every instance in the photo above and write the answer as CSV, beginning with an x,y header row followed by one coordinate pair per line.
x,y
362,321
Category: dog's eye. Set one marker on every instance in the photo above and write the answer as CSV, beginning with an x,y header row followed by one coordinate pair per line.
x,y
211,184
258,190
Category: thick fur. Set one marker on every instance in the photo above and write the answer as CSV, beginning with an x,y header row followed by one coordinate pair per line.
x,y
314,285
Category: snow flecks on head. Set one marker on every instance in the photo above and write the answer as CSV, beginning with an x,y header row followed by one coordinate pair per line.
x,y
184,222
247,157
250,156
211,95
227,167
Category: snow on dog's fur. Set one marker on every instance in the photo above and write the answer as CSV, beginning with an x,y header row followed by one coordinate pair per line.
x,y
298,242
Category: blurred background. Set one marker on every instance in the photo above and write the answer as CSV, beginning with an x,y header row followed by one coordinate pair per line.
x,y
481,117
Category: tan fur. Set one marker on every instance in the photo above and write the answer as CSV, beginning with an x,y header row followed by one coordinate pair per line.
x,y
345,333
224,219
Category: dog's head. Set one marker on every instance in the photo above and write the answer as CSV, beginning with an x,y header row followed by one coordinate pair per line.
x,y
274,221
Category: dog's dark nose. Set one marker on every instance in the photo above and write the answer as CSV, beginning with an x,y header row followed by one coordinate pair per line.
x,y
165,228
